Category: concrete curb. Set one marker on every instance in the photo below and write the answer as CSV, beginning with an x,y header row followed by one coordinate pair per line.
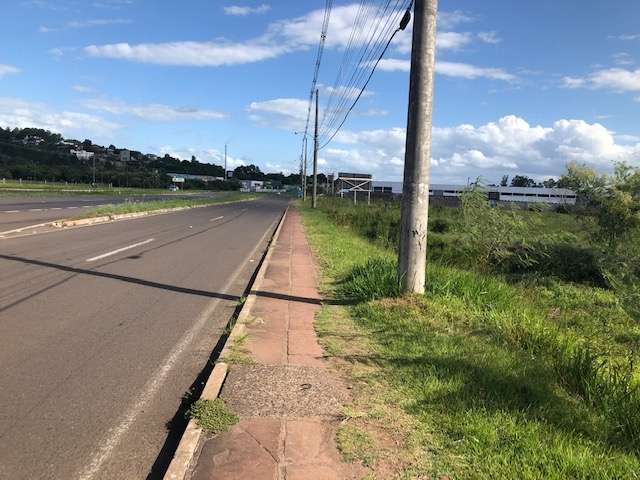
x,y
182,461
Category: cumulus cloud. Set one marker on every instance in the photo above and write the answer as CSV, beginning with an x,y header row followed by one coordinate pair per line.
x,y
450,69
508,146
154,111
615,79
15,112
8,70
287,113
244,11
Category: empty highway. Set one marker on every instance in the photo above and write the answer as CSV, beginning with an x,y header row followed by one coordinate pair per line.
x,y
103,329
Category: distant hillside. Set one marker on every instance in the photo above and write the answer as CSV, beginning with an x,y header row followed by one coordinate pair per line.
x,y
35,154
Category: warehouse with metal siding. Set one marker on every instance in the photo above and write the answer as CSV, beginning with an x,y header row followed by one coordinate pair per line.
x,y
557,196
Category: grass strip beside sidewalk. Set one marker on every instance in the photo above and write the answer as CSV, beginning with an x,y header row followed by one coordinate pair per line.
x,y
458,383
137,207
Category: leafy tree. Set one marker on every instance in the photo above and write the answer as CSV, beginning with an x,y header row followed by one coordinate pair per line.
x,y
248,172
505,181
523,181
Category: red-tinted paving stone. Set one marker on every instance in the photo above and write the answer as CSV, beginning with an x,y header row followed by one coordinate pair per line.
x,y
248,451
281,334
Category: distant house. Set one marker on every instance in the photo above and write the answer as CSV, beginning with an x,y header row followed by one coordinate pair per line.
x,y
32,140
251,185
81,154
201,178
125,156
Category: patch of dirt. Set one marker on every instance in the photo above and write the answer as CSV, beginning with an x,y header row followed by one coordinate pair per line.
x,y
284,390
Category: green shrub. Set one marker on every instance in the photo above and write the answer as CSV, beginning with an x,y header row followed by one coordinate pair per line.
x,y
375,279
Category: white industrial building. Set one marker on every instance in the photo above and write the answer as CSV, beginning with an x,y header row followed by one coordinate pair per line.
x,y
557,196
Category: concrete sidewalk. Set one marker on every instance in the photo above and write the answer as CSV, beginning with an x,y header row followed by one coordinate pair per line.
x,y
289,402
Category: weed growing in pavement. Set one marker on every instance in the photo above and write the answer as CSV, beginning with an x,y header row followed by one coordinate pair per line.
x,y
213,415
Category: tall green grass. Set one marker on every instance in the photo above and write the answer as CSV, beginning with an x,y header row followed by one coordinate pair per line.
x,y
534,378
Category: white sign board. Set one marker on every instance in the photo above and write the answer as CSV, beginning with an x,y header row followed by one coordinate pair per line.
x,y
177,180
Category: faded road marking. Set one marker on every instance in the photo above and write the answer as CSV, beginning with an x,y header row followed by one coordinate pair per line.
x,y
123,249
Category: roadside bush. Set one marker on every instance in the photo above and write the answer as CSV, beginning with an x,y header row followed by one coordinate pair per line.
x,y
556,258
375,279
494,236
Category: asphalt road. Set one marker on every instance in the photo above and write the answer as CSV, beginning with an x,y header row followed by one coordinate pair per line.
x,y
18,212
103,329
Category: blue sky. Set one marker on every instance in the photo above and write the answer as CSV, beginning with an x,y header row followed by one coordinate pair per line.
x,y
521,87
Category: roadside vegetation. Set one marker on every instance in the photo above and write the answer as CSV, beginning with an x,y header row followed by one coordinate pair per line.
x,y
520,361
8,187
137,207
214,416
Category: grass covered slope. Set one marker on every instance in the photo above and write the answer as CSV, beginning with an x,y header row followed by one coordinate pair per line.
x,y
486,376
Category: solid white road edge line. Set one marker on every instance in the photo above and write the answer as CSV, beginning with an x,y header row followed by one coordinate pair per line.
x,y
159,376
123,249
22,229
217,218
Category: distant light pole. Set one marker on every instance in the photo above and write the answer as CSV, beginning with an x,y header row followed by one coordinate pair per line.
x,y
225,162
314,199
304,166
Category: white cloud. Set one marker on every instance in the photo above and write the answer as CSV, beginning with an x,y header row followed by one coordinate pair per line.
x,y
464,70
573,82
629,36
205,155
286,113
199,54
508,146
154,111
453,19
622,58
452,40
489,37
279,38
244,11
394,65
15,112
450,69
341,90
615,79
79,24
8,70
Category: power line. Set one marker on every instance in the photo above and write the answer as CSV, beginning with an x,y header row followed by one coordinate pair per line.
x,y
323,37
379,38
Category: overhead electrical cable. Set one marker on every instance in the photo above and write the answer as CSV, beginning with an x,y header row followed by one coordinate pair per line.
x,y
372,48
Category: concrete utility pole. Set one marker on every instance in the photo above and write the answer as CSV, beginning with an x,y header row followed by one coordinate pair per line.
x,y
412,257
304,173
314,200
225,162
